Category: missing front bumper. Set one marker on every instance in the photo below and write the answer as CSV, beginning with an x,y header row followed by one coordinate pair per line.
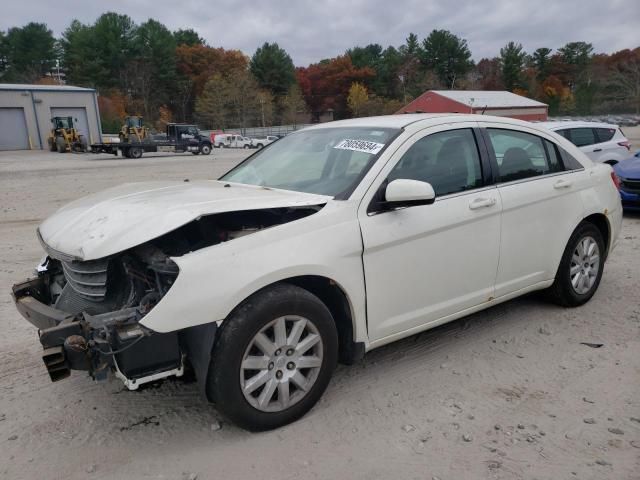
x,y
98,344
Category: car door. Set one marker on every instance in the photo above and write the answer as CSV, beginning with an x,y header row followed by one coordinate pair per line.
x,y
425,263
541,204
585,139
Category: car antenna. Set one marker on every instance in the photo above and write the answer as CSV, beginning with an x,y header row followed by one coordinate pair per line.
x,y
484,109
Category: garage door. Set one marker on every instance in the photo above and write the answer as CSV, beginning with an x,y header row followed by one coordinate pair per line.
x,y
13,129
79,116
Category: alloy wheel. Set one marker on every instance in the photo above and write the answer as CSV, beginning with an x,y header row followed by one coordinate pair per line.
x,y
281,363
584,266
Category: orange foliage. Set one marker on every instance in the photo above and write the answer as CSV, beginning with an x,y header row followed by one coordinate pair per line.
x,y
46,81
326,84
552,87
164,117
521,91
199,63
112,105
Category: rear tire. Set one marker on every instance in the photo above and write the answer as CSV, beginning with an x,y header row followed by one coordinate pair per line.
x,y
135,152
84,145
581,267
277,400
61,145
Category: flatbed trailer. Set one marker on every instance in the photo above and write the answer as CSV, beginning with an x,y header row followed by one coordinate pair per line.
x,y
180,138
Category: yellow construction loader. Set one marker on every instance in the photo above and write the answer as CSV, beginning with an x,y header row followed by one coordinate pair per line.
x,y
133,130
64,137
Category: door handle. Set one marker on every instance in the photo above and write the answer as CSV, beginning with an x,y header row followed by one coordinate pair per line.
x,y
562,184
597,150
481,203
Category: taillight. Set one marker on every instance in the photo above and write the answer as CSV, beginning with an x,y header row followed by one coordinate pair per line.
x,y
626,144
615,179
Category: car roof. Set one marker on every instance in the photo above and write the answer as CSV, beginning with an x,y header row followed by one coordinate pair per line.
x,y
423,119
575,124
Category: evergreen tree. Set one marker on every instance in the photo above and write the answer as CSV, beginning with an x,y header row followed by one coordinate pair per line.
x,y
447,55
512,60
273,68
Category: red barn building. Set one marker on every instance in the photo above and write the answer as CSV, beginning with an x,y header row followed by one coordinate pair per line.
x,y
500,103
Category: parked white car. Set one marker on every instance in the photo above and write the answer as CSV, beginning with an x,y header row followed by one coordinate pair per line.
x,y
225,140
261,142
336,240
601,142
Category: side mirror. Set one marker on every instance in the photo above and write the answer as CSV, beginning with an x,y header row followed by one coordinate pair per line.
x,y
408,193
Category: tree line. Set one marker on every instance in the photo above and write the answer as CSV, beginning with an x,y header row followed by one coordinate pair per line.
x,y
146,69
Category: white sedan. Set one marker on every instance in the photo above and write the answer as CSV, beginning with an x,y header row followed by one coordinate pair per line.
x,y
333,241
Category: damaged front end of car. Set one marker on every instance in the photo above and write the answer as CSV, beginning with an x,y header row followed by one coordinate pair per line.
x,y
88,312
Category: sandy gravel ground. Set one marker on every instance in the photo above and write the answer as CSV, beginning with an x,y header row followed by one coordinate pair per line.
x,y
508,393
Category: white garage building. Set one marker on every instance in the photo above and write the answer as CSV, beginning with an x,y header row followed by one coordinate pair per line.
x,y
26,112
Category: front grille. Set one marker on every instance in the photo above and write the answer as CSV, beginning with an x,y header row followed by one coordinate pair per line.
x,y
630,185
88,279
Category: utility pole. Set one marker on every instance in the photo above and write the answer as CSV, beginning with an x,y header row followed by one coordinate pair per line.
x,y
404,90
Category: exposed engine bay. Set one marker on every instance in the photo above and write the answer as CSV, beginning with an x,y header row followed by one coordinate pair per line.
x,y
88,312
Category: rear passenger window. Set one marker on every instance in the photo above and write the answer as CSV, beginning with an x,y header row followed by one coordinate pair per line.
x,y
520,155
569,161
554,162
604,134
449,161
582,136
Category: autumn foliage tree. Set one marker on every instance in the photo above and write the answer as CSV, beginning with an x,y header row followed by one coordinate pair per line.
x,y
624,67
113,108
357,98
326,85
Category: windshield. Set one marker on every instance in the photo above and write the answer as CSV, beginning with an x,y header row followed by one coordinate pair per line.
x,y
325,161
63,122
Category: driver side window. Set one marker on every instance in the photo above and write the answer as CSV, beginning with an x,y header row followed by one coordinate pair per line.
x,y
448,160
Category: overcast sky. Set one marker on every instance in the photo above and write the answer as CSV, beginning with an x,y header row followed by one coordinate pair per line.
x,y
312,30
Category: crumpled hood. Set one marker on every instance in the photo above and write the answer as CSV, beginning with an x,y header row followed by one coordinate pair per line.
x,y
628,168
122,217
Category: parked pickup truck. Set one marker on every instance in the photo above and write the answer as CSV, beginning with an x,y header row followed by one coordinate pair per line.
x,y
260,142
231,141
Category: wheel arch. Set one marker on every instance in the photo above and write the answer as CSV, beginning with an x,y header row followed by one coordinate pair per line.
x,y
601,222
335,298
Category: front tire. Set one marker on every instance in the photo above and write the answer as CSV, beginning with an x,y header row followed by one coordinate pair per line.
x,y
205,149
581,267
273,359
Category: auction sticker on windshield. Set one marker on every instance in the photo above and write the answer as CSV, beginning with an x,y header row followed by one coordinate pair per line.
x,y
360,146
